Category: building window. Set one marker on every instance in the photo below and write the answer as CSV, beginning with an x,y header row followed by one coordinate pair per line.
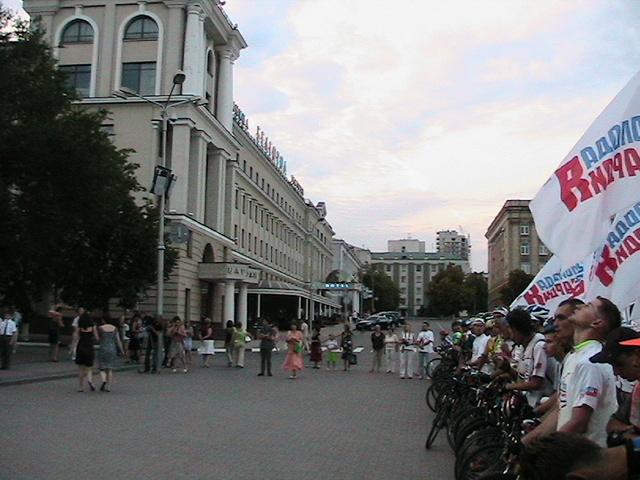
x,y
140,77
251,173
403,279
78,31
235,233
78,78
524,249
525,267
210,63
262,184
237,198
255,244
542,250
433,268
524,230
244,204
187,305
249,245
418,268
418,301
242,239
189,244
141,28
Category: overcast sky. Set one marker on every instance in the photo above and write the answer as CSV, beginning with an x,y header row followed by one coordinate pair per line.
x,y
413,116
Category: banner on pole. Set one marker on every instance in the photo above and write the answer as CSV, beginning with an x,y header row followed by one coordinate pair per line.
x,y
554,284
598,178
615,273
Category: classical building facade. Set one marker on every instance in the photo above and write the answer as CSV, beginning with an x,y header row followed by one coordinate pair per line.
x,y
513,244
250,244
348,263
454,243
412,270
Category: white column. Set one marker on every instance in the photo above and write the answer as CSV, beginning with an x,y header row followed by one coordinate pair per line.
x,y
299,313
218,290
215,189
229,198
242,304
193,52
224,105
180,156
229,301
356,302
197,163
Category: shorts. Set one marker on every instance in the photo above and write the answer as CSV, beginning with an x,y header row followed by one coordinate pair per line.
x,y
332,357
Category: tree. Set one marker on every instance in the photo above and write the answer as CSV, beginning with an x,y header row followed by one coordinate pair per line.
x,y
386,293
446,292
518,280
71,225
477,292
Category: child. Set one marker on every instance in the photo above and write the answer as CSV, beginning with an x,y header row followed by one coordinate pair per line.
x,y
333,349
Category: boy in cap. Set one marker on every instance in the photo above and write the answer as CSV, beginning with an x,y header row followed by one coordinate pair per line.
x,y
622,352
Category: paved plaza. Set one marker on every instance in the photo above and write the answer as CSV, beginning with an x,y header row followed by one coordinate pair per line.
x,y
223,423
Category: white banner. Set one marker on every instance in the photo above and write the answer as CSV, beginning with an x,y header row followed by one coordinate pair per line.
x,y
598,178
554,284
615,273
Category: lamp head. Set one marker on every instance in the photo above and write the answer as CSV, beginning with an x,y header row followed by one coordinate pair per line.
x,y
179,77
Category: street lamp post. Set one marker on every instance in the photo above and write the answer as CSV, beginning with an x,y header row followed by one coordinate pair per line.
x,y
311,311
161,189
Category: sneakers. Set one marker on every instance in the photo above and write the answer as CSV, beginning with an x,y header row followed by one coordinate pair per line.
x,y
185,370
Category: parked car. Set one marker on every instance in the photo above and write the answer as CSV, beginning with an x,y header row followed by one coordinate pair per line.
x,y
370,322
396,316
364,323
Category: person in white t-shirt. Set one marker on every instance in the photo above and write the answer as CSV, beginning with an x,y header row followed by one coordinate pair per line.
x,y
532,366
425,348
74,333
479,348
587,396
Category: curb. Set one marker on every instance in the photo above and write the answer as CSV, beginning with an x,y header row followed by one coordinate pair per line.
x,y
55,376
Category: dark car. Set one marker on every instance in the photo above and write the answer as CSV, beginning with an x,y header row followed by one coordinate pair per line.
x,y
397,317
364,324
370,322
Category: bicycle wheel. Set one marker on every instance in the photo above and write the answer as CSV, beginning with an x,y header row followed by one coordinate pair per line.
x,y
431,398
477,439
482,461
499,476
439,422
432,366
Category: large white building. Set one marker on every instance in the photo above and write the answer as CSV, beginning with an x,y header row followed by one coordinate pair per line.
x,y
252,244
411,269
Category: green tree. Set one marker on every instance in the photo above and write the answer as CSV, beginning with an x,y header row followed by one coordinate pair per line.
x,y
477,292
518,280
385,291
447,293
70,222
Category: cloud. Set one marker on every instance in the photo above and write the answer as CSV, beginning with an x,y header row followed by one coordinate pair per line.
x,y
418,116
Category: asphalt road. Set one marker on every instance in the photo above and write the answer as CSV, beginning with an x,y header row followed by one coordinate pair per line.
x,y
224,423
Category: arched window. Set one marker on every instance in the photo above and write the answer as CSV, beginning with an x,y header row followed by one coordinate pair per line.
x,y
78,31
141,28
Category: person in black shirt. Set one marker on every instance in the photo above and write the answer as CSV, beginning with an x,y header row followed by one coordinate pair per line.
x,y
267,336
377,343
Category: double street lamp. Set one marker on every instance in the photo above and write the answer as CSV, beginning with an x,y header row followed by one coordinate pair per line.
x,y
163,178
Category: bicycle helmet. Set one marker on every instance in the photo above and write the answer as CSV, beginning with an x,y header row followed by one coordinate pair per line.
x,y
500,312
538,313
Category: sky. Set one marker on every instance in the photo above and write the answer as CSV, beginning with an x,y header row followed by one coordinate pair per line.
x,y
414,116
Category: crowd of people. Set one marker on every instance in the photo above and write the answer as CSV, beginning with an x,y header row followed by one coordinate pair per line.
x,y
578,371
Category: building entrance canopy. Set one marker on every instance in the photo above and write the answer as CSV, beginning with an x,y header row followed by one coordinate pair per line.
x,y
226,271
